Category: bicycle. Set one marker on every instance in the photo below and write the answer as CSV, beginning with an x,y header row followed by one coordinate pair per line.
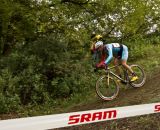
x,y
107,87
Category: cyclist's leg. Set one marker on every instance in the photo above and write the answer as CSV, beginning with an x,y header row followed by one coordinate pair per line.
x,y
124,63
124,59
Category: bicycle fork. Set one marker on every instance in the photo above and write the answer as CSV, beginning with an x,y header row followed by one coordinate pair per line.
x,y
108,79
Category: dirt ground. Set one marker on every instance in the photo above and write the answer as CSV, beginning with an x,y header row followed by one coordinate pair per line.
x,y
149,93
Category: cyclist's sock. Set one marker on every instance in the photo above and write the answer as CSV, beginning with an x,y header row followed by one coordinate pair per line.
x,y
133,74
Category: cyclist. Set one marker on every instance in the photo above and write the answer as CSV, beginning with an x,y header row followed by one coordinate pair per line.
x,y
108,51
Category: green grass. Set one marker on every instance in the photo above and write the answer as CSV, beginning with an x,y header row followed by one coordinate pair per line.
x,y
151,59
60,105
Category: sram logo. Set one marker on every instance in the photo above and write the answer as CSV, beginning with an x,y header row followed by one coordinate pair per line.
x,y
157,108
89,117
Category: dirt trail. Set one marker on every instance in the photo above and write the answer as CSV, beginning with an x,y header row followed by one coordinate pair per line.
x,y
149,93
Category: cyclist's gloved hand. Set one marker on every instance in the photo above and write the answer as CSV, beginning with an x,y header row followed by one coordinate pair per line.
x,y
104,66
101,65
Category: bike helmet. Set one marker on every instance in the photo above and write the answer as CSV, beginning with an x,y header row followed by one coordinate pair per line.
x,y
98,44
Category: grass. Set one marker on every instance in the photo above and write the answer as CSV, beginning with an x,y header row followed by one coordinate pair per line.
x,y
62,106
151,60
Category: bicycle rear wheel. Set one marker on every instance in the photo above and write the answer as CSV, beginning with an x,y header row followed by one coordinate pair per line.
x,y
141,76
107,88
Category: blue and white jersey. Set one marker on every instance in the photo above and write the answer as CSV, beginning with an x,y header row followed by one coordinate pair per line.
x,y
116,50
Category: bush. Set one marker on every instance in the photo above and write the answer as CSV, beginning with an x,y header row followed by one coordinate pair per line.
x,y
9,103
42,71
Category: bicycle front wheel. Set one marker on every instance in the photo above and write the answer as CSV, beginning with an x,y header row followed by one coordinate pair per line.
x,y
107,88
141,76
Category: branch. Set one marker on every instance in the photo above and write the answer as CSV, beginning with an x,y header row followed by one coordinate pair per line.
x,y
75,2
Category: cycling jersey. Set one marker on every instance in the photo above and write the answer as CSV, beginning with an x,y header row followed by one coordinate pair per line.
x,y
115,50
111,50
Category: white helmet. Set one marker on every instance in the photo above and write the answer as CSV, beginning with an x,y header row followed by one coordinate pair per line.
x,y
98,44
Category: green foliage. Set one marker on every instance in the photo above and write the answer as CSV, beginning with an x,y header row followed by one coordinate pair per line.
x,y
16,24
8,88
45,70
45,45
9,103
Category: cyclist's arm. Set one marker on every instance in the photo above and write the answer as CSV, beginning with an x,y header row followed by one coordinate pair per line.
x,y
110,54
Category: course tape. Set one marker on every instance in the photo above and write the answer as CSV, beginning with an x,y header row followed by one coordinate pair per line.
x,y
77,118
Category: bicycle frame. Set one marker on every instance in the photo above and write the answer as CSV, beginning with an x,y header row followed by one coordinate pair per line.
x,y
108,71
